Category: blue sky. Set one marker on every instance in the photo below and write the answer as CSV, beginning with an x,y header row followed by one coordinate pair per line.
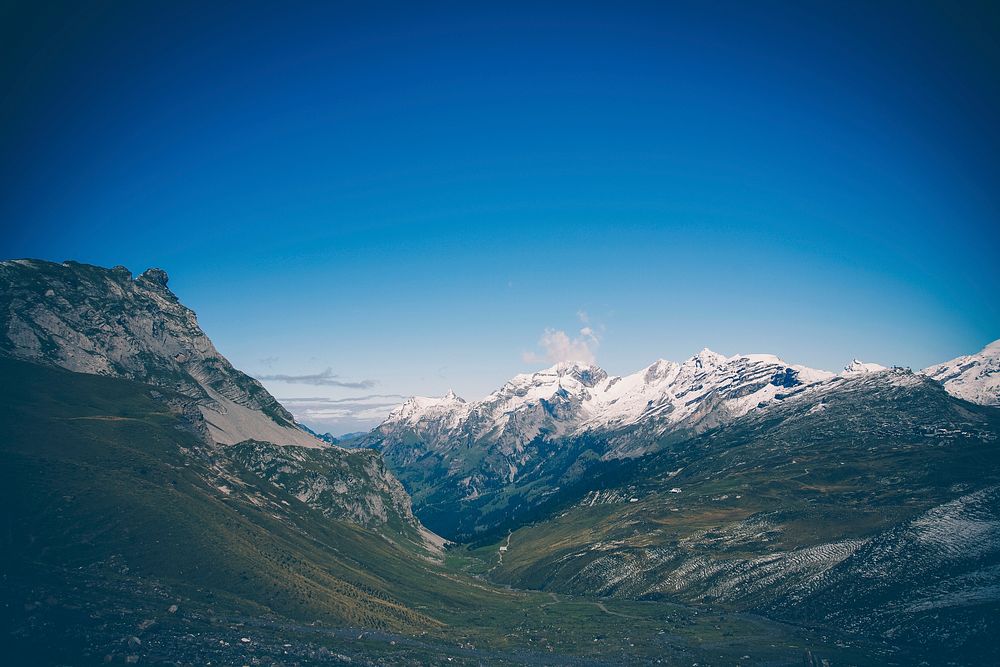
x,y
405,200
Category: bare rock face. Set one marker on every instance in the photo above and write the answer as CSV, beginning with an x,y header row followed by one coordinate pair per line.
x,y
89,319
351,485
155,276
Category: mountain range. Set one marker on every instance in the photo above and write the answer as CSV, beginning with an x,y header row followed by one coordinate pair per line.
x,y
161,507
865,500
455,455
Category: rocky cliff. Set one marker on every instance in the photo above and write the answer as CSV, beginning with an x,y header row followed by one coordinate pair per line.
x,y
89,319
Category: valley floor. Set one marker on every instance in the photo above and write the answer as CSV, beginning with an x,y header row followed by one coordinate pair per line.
x,y
80,617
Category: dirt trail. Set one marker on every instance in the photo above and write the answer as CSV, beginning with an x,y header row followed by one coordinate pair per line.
x,y
555,600
503,548
599,605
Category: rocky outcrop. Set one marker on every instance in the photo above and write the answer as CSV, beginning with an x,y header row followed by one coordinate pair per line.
x,y
352,485
90,319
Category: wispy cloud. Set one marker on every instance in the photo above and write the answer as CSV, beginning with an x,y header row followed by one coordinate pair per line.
x,y
556,346
325,378
342,414
323,400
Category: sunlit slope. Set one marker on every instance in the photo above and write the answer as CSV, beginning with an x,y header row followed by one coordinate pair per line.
x,y
90,319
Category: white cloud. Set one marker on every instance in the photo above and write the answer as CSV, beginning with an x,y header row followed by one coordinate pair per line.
x,y
558,346
583,316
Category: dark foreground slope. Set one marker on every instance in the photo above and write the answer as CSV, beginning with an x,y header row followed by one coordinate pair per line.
x,y
98,474
126,537
870,505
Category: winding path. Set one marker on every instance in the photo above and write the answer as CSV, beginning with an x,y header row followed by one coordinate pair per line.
x,y
599,605
506,545
503,548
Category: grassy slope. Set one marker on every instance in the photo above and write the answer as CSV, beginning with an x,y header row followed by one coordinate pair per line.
x,y
94,469
111,511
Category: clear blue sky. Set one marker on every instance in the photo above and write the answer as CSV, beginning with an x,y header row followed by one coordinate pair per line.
x,y
411,196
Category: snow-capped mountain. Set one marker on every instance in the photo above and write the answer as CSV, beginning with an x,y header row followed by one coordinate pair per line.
x,y
858,367
553,423
974,377
573,398
700,392
450,452
416,408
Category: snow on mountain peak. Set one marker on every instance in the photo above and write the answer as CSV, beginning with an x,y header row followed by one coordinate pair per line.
x,y
973,377
658,370
857,367
587,374
575,397
416,408
706,389
707,358
570,375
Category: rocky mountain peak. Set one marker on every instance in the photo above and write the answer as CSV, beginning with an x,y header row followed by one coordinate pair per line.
x,y
89,319
415,408
584,373
707,359
155,276
659,370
